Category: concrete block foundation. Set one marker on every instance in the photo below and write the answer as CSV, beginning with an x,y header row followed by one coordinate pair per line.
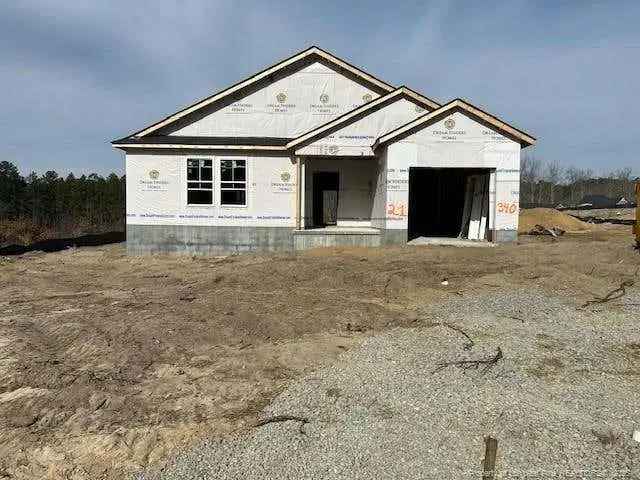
x,y
394,237
504,236
206,240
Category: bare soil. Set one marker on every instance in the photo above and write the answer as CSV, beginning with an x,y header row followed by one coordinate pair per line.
x,y
110,363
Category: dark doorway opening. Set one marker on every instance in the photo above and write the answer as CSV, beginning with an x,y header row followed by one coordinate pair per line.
x,y
437,200
325,198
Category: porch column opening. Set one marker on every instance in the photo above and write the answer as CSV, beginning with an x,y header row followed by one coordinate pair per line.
x,y
298,192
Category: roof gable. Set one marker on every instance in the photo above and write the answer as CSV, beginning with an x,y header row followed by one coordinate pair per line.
x,y
295,62
354,133
456,105
362,112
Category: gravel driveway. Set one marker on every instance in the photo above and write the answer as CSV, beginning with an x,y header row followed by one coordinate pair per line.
x,y
563,402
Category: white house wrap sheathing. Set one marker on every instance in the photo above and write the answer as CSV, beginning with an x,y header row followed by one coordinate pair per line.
x,y
281,122
357,138
157,192
286,108
379,204
456,141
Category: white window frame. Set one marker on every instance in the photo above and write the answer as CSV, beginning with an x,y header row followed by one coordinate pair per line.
x,y
212,182
245,182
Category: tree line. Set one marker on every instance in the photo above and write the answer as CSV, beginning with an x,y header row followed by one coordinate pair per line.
x,y
95,204
549,184
69,205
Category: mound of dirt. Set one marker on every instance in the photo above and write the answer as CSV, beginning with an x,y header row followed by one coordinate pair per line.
x,y
549,218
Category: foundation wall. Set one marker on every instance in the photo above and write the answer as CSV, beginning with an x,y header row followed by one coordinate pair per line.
x,y
206,240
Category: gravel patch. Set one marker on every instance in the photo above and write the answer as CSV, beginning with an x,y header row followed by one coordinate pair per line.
x,y
563,402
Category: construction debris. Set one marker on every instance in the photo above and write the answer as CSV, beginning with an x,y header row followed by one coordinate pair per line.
x,y
475,210
555,232
475,364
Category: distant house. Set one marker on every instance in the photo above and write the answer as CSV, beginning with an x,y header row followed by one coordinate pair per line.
x,y
597,201
314,151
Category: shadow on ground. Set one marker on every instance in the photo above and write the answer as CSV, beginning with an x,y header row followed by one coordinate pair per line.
x,y
57,244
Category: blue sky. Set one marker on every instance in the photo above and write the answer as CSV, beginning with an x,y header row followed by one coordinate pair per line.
x,y
76,75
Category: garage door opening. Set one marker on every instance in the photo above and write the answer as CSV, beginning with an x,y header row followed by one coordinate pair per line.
x,y
448,202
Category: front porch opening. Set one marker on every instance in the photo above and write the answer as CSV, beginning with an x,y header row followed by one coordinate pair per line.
x,y
339,193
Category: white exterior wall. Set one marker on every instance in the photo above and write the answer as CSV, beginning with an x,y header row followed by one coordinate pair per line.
x,y
285,108
357,138
270,200
357,180
468,144
378,210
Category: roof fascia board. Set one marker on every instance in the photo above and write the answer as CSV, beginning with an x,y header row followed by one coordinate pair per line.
x,y
412,124
523,137
421,98
493,120
355,70
261,75
344,119
166,146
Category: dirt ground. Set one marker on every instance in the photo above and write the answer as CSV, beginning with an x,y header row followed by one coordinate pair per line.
x,y
110,363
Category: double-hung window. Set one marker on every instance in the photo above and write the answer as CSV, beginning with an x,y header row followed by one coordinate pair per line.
x,y
199,181
233,182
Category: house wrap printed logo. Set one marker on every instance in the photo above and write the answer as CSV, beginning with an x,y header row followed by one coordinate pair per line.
x,y
280,105
448,133
283,184
323,105
154,184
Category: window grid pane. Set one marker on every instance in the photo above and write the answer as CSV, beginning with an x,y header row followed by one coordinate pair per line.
x,y
199,181
233,183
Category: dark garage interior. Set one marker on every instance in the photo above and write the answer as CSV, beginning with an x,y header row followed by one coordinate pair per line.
x,y
436,200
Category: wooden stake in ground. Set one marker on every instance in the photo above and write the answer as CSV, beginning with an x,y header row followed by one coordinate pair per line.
x,y
636,227
489,462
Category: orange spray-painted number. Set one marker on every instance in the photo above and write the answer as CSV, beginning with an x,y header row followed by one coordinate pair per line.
x,y
397,209
505,207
